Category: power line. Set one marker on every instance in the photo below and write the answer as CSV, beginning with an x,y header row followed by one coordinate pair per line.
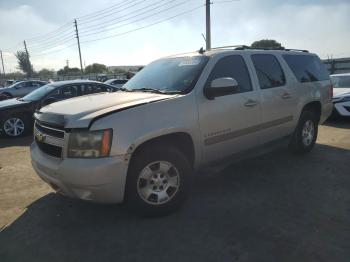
x,y
54,32
105,10
137,20
54,43
143,27
52,39
118,18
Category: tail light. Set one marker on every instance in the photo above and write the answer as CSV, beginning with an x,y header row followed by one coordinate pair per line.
x,y
331,91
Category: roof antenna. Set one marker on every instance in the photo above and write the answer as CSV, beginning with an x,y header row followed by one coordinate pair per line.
x,y
201,51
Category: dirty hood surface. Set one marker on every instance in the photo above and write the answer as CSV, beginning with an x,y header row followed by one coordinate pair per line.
x,y
79,112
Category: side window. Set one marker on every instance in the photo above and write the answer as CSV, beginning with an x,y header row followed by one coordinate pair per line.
x,y
65,92
92,89
27,84
119,82
269,71
232,66
307,68
36,84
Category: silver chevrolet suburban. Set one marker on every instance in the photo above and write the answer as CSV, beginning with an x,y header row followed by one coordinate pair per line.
x,y
142,144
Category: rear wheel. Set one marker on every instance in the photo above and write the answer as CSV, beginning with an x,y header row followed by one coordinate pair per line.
x,y
305,135
158,181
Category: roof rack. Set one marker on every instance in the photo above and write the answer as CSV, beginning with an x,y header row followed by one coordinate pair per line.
x,y
244,47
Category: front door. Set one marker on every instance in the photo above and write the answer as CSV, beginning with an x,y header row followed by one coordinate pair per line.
x,y
227,123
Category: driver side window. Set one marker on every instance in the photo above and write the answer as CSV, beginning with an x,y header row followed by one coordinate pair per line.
x,y
235,67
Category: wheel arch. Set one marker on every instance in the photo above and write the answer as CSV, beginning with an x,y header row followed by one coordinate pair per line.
x,y
181,140
315,107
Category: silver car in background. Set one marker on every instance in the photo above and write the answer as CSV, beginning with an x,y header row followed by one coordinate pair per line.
x,y
341,91
20,89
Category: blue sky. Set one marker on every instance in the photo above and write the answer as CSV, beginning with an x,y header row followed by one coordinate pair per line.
x,y
320,26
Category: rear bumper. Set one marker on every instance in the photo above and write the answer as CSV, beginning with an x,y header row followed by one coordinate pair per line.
x,y
97,180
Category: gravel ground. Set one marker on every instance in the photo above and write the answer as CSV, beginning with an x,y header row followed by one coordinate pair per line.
x,y
278,207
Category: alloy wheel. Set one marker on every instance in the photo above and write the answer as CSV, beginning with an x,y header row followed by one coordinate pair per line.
x,y
14,126
158,182
308,132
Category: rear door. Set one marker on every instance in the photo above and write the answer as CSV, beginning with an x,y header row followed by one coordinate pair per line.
x,y
278,98
227,123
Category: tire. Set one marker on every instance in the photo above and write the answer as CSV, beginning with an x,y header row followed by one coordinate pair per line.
x,y
21,126
305,134
150,189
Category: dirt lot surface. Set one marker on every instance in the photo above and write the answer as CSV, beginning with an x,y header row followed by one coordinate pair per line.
x,y
278,207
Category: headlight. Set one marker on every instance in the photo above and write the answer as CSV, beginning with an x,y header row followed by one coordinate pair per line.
x,y
90,144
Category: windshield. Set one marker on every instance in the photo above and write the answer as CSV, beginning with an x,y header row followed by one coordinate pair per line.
x,y
39,93
341,81
14,84
178,75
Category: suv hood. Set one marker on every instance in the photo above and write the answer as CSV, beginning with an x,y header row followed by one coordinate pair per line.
x,y
79,112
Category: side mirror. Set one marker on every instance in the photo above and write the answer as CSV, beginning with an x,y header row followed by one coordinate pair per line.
x,y
48,101
221,87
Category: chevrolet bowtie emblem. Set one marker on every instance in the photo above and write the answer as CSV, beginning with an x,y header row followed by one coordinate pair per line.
x,y
40,137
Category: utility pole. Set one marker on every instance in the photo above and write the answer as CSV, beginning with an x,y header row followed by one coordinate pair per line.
x,y
2,62
208,29
67,63
77,36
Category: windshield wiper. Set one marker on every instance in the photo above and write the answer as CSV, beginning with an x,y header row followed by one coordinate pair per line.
x,y
153,90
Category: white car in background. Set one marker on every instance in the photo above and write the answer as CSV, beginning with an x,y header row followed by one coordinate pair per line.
x,y
341,94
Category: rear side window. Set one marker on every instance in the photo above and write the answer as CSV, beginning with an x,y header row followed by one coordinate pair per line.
x,y
307,68
234,67
269,71
119,82
92,89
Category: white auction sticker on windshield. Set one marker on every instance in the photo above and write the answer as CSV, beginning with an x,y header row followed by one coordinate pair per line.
x,y
191,61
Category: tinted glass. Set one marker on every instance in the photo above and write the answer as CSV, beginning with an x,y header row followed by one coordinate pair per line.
x,y
307,68
65,92
39,93
92,89
341,81
234,67
269,71
119,82
178,74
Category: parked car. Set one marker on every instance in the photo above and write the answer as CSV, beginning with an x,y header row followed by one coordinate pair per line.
x,y
116,82
341,97
20,89
16,115
176,116
10,82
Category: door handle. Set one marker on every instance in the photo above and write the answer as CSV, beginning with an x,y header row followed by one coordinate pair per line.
x,y
286,95
251,103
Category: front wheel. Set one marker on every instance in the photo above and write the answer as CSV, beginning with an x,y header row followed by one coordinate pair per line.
x,y
305,134
158,181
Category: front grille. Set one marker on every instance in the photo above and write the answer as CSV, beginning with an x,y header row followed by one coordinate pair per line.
x,y
49,131
50,150
49,140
